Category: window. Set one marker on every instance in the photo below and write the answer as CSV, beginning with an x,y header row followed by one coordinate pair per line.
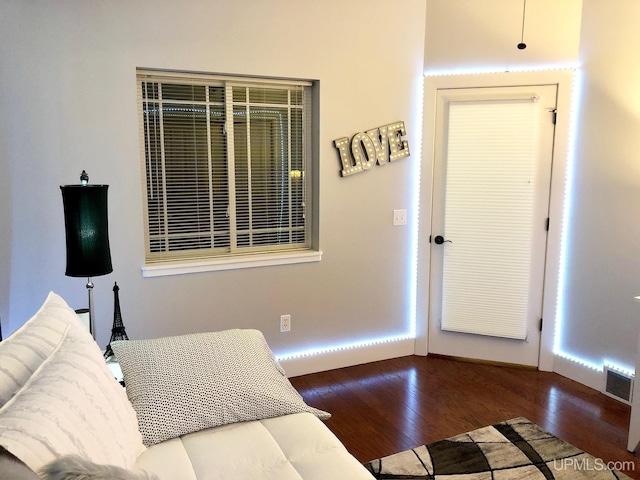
x,y
227,165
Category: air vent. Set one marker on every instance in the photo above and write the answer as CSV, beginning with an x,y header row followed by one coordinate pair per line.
x,y
618,385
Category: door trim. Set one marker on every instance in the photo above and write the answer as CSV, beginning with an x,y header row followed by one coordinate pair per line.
x,y
561,156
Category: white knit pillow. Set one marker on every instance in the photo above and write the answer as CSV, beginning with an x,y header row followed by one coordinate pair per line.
x,y
25,350
183,384
71,405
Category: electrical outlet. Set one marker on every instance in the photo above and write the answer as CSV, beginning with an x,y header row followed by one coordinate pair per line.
x,y
285,323
399,217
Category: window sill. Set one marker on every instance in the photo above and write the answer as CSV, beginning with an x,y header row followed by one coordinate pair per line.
x,y
214,265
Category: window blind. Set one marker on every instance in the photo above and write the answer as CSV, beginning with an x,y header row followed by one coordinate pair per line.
x,y
489,207
226,165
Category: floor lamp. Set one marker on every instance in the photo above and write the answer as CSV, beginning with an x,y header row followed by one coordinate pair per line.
x,y
87,234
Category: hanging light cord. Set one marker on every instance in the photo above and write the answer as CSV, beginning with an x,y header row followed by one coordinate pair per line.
x,y
523,45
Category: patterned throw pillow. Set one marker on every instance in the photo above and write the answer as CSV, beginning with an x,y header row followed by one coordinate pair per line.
x,y
183,384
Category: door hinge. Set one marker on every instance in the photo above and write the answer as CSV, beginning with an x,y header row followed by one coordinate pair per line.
x,y
540,324
547,227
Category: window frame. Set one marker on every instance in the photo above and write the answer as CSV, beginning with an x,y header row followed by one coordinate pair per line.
x,y
191,261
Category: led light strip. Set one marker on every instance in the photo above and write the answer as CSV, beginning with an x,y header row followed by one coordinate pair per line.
x,y
489,70
413,271
567,204
413,280
564,234
579,361
576,97
564,238
617,368
338,348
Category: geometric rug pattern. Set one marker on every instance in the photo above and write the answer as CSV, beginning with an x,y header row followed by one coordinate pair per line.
x,y
512,450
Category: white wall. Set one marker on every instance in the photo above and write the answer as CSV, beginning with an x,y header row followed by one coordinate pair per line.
x,y
478,36
68,102
5,229
603,273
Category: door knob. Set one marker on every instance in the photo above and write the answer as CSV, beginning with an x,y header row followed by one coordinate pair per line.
x,y
439,240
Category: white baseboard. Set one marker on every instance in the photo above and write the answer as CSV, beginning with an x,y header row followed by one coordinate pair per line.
x,y
346,358
580,373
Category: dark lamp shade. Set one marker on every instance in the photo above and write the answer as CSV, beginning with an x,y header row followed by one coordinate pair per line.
x,y
87,230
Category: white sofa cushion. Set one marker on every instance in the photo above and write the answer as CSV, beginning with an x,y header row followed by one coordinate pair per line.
x,y
186,383
291,447
25,350
72,404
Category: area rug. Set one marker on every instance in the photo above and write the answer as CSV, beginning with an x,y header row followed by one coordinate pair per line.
x,y
512,450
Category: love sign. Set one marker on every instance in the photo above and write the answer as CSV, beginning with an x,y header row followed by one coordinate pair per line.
x,y
378,146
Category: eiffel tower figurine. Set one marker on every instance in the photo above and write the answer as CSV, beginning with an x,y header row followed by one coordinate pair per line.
x,y
117,331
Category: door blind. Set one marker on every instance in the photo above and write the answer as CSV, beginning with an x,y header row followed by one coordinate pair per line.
x,y
489,208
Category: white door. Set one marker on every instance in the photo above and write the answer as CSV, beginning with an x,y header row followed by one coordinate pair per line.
x,y
491,185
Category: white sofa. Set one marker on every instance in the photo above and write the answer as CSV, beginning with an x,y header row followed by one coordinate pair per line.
x,y
220,409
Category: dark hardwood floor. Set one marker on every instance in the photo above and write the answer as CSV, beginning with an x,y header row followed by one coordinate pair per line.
x,y
385,407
